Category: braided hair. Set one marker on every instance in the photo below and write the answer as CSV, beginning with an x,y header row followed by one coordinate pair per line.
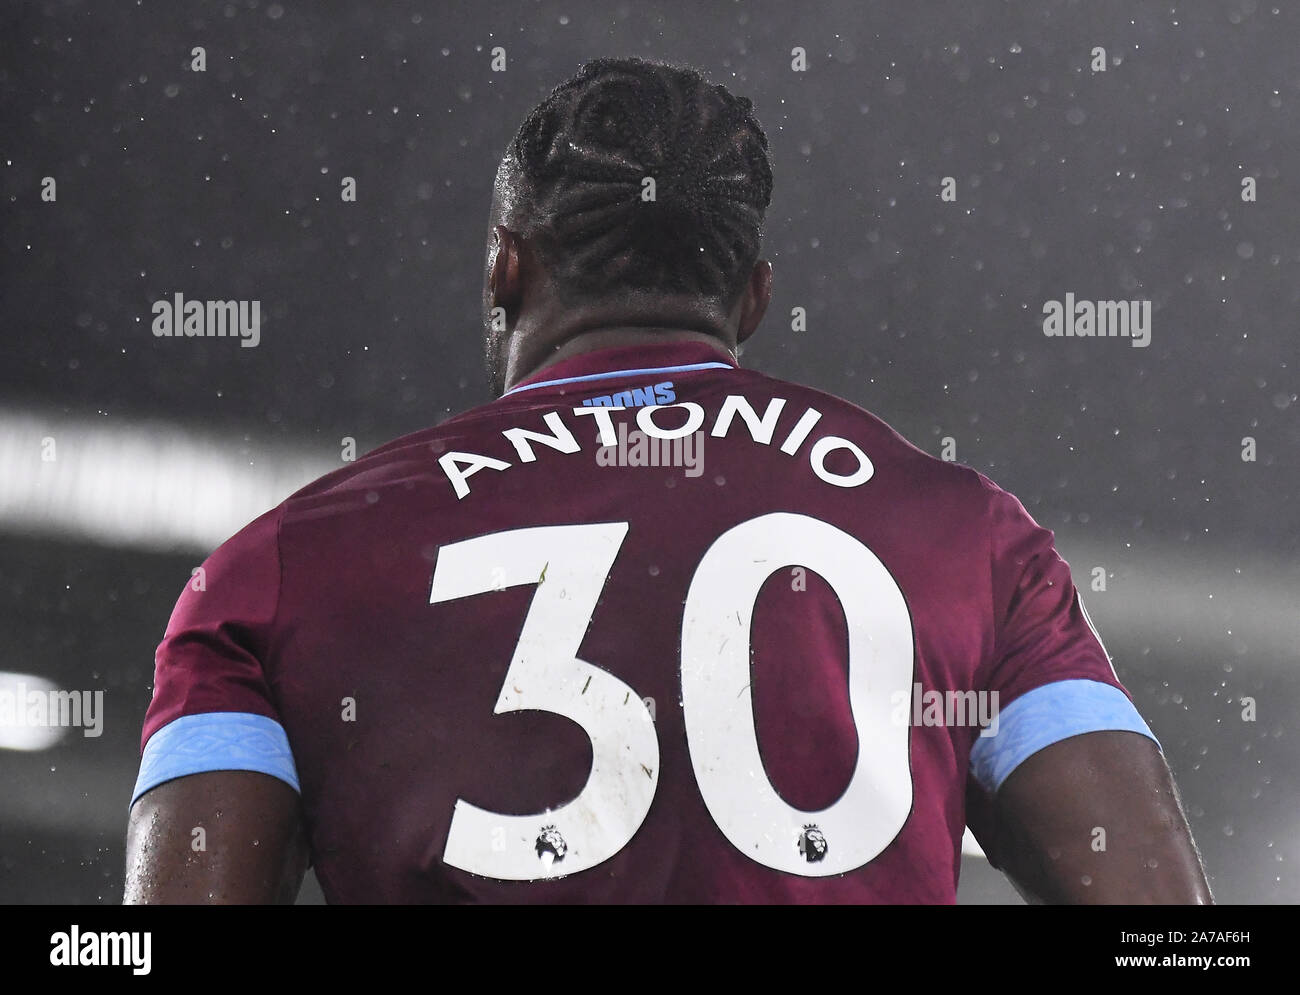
x,y
582,157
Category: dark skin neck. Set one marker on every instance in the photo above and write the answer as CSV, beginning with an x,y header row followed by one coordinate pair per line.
x,y
541,328
612,338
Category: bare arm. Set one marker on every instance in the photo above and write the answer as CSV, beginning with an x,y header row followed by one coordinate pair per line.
x,y
1049,811
254,850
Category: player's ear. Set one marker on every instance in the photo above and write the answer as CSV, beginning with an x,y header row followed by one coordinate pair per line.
x,y
754,300
505,285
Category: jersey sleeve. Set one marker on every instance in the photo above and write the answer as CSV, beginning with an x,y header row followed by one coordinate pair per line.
x,y
1052,674
212,707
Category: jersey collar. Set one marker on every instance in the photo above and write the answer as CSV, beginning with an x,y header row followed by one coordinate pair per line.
x,y
576,372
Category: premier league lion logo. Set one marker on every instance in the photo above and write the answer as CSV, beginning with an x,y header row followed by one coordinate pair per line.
x,y
812,844
550,841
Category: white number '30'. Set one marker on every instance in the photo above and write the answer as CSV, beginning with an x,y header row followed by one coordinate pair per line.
x,y
545,674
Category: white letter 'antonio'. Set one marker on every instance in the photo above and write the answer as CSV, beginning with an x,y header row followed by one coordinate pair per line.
x,y
736,415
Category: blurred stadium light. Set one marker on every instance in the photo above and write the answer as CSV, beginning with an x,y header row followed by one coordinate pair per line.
x,y
145,485
19,735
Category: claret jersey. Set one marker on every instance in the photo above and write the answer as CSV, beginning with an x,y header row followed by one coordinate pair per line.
x,y
648,628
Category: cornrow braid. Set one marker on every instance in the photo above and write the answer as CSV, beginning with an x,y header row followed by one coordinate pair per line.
x,y
585,151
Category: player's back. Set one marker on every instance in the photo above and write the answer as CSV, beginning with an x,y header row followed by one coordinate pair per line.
x,y
543,653
506,602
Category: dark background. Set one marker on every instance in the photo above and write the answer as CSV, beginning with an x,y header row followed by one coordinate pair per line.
x,y
1123,184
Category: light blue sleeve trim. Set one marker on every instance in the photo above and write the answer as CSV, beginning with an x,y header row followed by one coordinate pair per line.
x,y
196,744
1047,715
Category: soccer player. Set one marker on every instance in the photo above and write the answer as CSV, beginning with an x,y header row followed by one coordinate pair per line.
x,y
649,627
